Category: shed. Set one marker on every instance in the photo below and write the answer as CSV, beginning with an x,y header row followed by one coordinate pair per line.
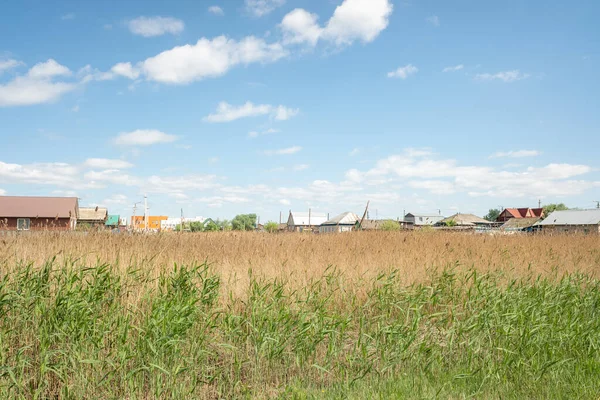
x,y
305,221
26,213
344,222
582,221
422,219
519,224
93,216
463,220
113,221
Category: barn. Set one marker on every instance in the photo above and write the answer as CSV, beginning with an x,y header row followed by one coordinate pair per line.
x,y
28,213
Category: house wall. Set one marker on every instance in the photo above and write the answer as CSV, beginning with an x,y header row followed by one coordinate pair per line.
x,y
423,221
335,228
587,229
39,224
153,222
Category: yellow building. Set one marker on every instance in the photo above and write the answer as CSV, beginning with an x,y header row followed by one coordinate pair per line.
x,y
138,223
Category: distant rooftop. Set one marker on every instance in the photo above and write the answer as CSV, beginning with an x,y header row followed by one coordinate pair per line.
x,y
572,217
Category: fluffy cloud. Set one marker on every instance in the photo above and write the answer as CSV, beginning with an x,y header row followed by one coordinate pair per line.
x,y
444,176
515,154
285,151
301,27
506,76
6,65
155,26
59,174
38,86
453,68
216,10
301,167
403,72
208,59
106,163
227,112
143,137
113,176
434,20
255,134
126,70
353,20
116,199
259,8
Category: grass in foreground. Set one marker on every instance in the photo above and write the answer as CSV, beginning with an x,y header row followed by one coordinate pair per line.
x,y
72,331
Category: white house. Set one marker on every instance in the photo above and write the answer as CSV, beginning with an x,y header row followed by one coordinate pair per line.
x,y
305,221
170,224
423,219
344,222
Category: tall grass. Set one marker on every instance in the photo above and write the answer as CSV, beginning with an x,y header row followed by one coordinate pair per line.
x,y
70,329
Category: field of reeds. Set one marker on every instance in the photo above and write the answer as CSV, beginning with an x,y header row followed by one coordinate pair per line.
x,y
250,315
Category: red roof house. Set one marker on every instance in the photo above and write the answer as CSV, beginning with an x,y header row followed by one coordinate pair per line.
x,y
510,213
25,213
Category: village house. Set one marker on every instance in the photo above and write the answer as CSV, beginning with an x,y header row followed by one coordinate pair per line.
x,y
113,221
572,221
154,222
24,213
305,221
519,225
92,217
510,213
420,220
344,222
464,221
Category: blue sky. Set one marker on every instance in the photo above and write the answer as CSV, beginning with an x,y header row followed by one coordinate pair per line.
x,y
262,106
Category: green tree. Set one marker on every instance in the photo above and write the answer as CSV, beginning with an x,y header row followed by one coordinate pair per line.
x,y
271,227
211,226
244,222
451,223
550,208
492,214
389,226
196,226
224,225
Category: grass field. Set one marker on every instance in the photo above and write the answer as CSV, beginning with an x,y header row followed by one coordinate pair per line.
x,y
245,315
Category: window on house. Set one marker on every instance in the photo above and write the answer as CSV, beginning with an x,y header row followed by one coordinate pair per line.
x,y
23,224
420,218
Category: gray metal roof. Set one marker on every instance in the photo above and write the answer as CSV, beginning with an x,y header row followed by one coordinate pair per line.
x,y
572,217
347,218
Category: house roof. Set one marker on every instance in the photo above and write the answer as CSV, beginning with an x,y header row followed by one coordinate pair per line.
x,y
92,213
519,223
302,218
525,212
113,220
424,215
466,220
347,218
374,224
38,207
572,217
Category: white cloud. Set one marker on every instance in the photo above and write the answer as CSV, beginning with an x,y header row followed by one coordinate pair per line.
x,y
37,86
113,176
283,113
506,76
444,176
75,108
301,167
434,20
106,163
285,202
60,174
254,134
285,151
116,199
259,8
354,152
155,26
403,72
213,160
516,154
68,16
227,112
2,192
352,20
216,10
453,68
301,27
6,65
47,70
358,20
143,137
209,59
126,70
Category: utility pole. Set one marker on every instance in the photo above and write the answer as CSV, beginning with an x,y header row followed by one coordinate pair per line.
x,y
134,220
597,204
145,213
279,217
181,226
539,203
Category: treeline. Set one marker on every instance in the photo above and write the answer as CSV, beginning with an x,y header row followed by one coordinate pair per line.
x,y
241,222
